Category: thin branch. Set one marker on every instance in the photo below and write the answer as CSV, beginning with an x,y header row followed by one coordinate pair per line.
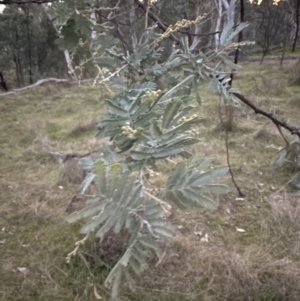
x,y
117,28
68,156
165,206
141,175
160,23
281,133
241,194
123,58
70,203
111,75
292,129
288,182
199,34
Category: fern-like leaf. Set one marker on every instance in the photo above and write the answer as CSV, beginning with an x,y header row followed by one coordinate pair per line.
x,y
190,184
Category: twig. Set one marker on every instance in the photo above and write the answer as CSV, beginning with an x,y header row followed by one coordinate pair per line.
x,y
165,206
141,174
288,182
111,75
281,133
68,156
171,161
123,58
159,22
241,194
73,199
77,244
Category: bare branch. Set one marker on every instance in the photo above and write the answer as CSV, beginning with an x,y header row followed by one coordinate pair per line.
x,y
241,194
292,129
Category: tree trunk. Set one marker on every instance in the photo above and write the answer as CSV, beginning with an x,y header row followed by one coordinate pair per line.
x,y
283,53
17,70
230,7
240,39
19,61
134,40
69,64
297,25
21,71
66,52
29,46
242,19
218,23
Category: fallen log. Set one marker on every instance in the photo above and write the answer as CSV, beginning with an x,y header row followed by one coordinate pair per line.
x,y
42,81
267,58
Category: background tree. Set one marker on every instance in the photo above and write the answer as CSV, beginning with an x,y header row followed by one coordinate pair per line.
x,y
296,8
27,45
23,46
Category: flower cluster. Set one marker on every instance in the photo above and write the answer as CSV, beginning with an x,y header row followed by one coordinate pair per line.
x,y
152,94
127,130
186,119
178,26
150,1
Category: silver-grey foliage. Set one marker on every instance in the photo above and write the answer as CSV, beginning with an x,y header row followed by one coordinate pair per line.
x,y
146,124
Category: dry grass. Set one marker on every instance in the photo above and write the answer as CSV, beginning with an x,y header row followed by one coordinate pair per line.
x,y
260,264
34,193
294,73
83,127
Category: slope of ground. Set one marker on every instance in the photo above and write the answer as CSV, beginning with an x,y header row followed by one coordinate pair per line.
x,y
248,249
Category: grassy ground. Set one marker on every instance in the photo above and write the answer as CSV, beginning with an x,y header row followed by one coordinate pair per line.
x,y
253,247
288,51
